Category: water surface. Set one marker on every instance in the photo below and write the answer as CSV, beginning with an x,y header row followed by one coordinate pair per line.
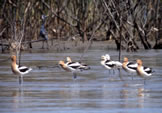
x,y
49,89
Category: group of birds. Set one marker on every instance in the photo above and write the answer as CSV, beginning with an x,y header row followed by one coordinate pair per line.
x,y
129,67
74,67
69,65
106,62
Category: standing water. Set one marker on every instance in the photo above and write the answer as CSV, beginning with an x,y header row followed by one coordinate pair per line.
x,y
49,89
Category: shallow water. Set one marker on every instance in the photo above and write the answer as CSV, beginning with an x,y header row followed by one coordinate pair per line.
x,y
49,89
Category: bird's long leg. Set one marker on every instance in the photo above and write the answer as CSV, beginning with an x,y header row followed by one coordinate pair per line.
x,y
146,78
20,79
42,44
132,75
21,84
120,76
47,44
75,75
113,71
109,75
144,81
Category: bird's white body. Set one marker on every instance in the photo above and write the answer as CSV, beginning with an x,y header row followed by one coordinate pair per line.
x,y
117,64
109,64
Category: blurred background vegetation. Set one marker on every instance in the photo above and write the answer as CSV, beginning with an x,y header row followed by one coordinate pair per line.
x,y
124,21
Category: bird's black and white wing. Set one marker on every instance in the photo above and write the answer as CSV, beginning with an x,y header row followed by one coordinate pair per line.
x,y
117,63
74,65
132,65
147,70
110,63
24,69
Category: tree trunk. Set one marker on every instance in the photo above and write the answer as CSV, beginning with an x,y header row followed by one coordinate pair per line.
x,y
142,36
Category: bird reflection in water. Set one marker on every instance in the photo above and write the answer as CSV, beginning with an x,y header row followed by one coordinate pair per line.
x,y
18,98
141,96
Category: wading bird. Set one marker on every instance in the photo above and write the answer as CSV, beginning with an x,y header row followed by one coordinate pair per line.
x,y
19,70
143,71
109,64
105,61
43,32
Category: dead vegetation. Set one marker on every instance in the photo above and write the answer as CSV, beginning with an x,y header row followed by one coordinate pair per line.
x,y
125,21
